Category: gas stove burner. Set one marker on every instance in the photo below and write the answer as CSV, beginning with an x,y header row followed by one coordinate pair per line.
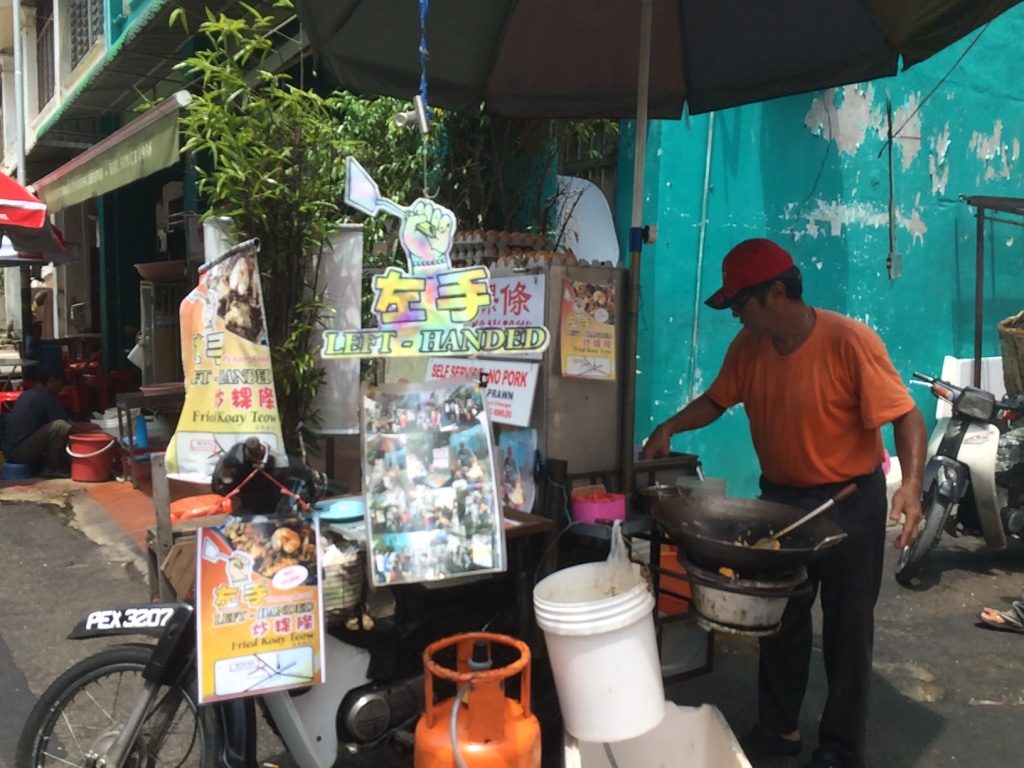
x,y
739,605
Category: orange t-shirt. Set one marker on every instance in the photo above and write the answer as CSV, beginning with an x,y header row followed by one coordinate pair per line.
x,y
814,414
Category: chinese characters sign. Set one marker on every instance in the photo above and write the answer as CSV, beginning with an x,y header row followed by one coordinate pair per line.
x,y
229,383
516,302
429,308
428,475
258,607
588,330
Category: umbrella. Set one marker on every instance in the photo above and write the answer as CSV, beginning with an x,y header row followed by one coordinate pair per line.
x,y
28,237
579,58
625,59
45,246
21,212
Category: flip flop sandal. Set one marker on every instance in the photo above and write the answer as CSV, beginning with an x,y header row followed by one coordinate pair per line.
x,y
1007,621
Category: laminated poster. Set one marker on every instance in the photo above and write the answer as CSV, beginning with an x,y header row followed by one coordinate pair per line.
x,y
588,330
518,449
229,382
432,507
258,607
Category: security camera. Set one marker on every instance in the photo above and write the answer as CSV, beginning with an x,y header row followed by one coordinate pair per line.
x,y
417,116
403,119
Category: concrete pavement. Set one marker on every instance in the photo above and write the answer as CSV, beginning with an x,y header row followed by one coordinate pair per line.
x,y
944,693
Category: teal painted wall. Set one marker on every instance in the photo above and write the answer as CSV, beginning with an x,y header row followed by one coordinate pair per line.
x,y
807,171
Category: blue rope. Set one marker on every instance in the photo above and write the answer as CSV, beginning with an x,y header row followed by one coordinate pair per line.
x,y
424,7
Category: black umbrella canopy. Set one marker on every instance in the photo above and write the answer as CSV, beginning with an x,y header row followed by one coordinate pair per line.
x,y
579,58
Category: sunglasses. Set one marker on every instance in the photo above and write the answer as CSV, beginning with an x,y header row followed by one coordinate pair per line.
x,y
741,298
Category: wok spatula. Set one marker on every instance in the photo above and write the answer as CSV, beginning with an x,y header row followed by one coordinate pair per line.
x,y
772,542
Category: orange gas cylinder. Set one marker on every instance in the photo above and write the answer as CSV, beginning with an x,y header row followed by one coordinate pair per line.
x,y
491,731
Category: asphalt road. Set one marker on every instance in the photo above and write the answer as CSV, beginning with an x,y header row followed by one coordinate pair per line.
x,y
52,575
945,692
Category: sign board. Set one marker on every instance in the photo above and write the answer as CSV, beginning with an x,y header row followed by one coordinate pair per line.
x,y
587,335
516,302
428,308
510,385
229,382
258,607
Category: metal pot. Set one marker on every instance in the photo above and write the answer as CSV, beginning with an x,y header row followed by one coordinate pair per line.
x,y
718,532
742,606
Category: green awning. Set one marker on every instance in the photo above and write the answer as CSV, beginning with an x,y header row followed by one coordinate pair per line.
x,y
146,145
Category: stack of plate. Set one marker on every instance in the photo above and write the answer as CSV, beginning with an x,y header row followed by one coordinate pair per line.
x,y
344,575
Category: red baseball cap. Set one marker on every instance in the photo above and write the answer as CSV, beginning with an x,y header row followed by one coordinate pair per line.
x,y
751,262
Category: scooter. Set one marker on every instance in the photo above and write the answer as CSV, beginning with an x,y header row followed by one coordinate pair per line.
x,y
974,480
136,704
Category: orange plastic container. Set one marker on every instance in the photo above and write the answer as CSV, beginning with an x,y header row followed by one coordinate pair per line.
x,y
203,505
492,731
669,605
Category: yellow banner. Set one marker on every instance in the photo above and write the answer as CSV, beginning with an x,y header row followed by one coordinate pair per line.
x,y
229,382
258,607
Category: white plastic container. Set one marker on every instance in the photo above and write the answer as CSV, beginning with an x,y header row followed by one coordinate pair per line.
x,y
690,737
599,630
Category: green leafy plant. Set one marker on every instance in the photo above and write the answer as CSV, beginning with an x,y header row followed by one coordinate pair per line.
x,y
270,156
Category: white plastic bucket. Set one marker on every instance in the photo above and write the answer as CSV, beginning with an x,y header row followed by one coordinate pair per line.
x,y
599,630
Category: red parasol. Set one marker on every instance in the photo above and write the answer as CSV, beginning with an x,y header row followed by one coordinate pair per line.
x,y
27,235
19,208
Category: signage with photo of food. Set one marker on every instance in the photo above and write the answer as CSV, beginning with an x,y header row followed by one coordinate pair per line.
x,y
588,330
229,382
432,507
258,607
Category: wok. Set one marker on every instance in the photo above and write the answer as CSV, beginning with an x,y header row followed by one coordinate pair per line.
x,y
719,532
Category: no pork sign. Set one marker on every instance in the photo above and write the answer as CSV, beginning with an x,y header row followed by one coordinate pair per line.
x,y
510,385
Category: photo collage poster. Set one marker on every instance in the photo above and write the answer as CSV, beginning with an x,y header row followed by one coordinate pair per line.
x,y
432,505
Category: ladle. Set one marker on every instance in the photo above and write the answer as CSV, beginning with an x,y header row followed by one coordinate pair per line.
x,y
772,542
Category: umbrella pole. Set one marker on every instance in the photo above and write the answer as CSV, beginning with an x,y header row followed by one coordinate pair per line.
x,y
19,114
635,246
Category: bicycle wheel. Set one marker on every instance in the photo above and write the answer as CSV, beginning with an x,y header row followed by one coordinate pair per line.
x,y
84,709
935,513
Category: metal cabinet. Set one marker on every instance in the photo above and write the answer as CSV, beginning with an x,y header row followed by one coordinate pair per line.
x,y
161,334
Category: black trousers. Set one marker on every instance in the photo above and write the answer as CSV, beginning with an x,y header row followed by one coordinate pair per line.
x,y
848,577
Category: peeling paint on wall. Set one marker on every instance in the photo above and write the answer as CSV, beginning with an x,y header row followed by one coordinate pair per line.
x,y
992,153
937,167
830,216
907,120
847,122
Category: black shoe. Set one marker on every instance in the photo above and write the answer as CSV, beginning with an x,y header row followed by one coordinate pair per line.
x,y
54,473
762,742
823,759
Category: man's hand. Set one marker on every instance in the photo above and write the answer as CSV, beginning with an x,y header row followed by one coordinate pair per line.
x,y
906,503
658,444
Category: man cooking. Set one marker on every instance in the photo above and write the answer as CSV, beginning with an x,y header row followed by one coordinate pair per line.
x,y
817,387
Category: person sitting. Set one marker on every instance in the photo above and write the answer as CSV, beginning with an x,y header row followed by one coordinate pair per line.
x,y
37,427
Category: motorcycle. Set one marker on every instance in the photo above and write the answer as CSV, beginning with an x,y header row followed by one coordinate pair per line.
x,y
136,704
974,480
